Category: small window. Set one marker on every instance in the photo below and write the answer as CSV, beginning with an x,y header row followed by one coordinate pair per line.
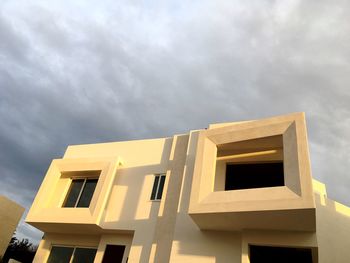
x,y
267,254
60,254
80,193
158,186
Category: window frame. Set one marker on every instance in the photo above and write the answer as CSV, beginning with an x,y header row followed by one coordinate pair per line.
x,y
156,183
74,248
80,192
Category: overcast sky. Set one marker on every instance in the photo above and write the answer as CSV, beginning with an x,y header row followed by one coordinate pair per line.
x,y
75,72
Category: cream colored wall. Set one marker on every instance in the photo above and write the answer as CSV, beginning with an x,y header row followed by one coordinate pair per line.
x,y
330,243
163,231
10,214
190,244
333,230
238,210
128,206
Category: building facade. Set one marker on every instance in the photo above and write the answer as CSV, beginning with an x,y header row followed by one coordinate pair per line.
x,y
10,214
234,192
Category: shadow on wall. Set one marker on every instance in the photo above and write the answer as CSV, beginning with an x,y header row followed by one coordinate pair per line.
x,y
131,211
180,170
215,245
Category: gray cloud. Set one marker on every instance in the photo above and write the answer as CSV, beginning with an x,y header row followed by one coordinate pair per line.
x,y
82,72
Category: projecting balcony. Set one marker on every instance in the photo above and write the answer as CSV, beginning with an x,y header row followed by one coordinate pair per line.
x,y
73,195
254,175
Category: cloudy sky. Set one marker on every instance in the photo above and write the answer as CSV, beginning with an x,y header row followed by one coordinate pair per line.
x,y
75,72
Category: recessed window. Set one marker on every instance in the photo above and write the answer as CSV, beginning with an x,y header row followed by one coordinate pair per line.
x,y
113,254
254,175
80,192
60,254
267,254
255,163
158,186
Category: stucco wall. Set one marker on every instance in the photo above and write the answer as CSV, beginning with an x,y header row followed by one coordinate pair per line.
x,y
10,214
165,231
333,230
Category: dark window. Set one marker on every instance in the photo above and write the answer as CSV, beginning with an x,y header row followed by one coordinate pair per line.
x,y
71,254
155,187
113,254
84,255
87,193
80,193
158,186
74,193
265,254
253,175
60,254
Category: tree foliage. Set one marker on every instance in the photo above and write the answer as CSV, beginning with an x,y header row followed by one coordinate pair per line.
x,y
22,251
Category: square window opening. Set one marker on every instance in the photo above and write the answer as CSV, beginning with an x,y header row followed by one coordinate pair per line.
x,y
81,189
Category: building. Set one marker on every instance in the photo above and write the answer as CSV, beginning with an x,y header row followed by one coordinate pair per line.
x,y
235,192
10,214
